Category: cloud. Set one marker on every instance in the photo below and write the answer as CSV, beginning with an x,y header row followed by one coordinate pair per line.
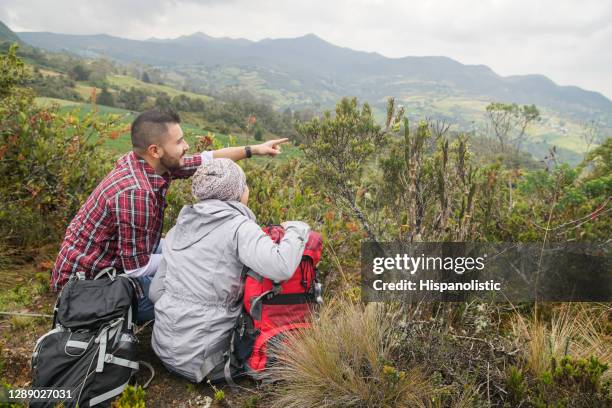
x,y
565,40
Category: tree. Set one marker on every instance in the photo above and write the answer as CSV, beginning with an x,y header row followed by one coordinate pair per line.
x,y
340,147
79,73
132,99
105,98
258,133
163,101
100,69
599,161
508,123
145,77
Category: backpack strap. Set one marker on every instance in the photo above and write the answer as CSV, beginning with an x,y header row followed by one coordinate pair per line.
x,y
256,304
108,395
110,271
227,368
255,275
108,332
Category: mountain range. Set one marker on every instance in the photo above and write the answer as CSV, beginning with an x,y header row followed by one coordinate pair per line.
x,y
330,68
308,71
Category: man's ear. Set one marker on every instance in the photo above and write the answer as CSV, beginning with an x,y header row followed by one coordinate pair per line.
x,y
155,151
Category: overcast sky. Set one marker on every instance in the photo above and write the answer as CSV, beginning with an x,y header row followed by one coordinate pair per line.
x,y
570,41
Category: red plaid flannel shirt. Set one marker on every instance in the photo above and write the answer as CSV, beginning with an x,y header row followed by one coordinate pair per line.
x,y
120,224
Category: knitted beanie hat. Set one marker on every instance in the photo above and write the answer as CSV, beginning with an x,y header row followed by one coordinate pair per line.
x,y
221,179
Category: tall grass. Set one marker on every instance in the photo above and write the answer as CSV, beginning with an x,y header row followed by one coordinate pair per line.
x,y
345,360
575,330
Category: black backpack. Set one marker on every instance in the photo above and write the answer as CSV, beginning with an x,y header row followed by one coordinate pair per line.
x,y
91,348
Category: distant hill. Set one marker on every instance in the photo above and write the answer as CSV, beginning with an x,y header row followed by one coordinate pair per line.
x,y
6,34
310,72
337,69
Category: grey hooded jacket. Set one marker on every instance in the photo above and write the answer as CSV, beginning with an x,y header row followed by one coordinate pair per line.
x,y
197,288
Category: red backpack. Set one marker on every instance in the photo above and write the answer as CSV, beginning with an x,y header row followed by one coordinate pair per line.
x,y
271,308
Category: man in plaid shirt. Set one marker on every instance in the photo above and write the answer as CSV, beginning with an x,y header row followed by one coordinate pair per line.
x,y
120,224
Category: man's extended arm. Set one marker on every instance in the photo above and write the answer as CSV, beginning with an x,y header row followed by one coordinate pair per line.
x,y
270,148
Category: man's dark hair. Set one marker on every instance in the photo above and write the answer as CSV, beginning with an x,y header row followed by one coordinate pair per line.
x,y
150,126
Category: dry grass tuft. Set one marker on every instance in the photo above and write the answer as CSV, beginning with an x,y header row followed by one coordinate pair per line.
x,y
575,330
345,360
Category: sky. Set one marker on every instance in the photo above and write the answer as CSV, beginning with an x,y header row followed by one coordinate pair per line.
x,y
569,41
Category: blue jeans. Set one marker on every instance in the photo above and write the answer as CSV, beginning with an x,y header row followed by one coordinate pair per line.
x,y
146,309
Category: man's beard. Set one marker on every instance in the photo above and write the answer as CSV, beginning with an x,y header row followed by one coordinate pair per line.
x,y
171,164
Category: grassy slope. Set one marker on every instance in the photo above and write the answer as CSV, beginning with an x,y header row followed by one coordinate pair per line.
x,y
470,113
463,112
123,144
126,82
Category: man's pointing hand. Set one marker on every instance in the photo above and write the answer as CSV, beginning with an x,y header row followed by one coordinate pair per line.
x,y
270,148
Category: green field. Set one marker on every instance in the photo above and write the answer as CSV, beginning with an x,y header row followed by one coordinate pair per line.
x,y
123,143
126,82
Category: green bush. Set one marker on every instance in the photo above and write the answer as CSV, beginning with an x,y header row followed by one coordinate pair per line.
x,y
570,382
50,161
131,397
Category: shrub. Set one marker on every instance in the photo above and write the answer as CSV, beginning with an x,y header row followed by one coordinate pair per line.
x,y
516,385
131,397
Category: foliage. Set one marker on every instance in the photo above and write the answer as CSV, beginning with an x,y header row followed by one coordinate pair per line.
x,y
508,123
13,72
340,148
232,109
599,161
131,397
79,73
4,389
423,184
439,193
417,186
570,382
50,162
562,203
105,98
133,99
258,133
219,395
59,87
516,385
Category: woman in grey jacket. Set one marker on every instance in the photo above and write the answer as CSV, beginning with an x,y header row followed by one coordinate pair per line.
x,y
197,289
